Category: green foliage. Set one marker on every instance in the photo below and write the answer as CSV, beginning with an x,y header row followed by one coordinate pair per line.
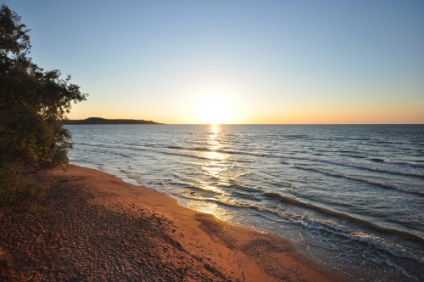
x,y
33,106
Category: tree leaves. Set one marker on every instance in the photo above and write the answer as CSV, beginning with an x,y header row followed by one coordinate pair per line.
x,y
33,103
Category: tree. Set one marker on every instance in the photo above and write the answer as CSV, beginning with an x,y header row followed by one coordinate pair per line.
x,y
33,106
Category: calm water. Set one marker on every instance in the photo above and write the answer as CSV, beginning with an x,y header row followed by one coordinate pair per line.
x,y
351,197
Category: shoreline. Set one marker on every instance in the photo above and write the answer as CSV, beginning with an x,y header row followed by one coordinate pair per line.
x,y
99,227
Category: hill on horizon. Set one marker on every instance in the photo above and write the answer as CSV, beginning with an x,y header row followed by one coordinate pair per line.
x,y
99,120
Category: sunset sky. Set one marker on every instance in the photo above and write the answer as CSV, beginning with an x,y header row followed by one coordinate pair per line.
x,y
236,61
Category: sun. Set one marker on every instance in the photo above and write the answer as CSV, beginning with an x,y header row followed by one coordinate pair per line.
x,y
215,110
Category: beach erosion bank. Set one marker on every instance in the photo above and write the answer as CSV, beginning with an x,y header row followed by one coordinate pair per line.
x,y
94,226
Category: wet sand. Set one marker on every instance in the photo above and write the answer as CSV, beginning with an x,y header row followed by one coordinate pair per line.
x,y
95,227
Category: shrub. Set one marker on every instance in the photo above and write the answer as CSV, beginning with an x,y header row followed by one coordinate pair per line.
x,y
33,106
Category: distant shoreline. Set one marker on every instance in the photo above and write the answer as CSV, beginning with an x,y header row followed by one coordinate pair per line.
x,y
98,120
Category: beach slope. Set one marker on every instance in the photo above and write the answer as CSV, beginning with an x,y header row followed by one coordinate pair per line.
x,y
96,227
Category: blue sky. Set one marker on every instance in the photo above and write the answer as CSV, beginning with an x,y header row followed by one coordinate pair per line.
x,y
251,61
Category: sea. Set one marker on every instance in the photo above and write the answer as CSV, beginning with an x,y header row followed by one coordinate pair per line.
x,y
349,196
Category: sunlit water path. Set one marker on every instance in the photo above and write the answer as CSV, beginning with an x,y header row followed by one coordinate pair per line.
x,y
350,196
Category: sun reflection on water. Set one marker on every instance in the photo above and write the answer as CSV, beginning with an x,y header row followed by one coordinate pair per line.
x,y
214,144
211,208
215,173
215,128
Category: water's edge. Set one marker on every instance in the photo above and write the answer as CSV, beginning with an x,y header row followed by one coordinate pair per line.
x,y
348,196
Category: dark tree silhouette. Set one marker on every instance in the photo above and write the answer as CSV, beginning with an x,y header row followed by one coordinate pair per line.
x,y
33,106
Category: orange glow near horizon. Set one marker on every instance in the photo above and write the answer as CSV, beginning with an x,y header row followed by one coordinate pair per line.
x,y
207,108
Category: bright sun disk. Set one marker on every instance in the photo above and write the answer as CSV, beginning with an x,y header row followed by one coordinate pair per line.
x,y
215,110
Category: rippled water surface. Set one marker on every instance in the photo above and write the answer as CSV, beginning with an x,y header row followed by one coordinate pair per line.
x,y
351,197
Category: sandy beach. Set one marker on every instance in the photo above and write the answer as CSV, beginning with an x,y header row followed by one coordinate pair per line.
x,y
95,227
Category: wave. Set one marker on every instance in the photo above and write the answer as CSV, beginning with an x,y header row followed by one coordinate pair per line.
x,y
377,160
174,147
244,188
246,196
329,226
149,148
359,236
355,236
399,163
343,216
109,152
393,167
363,224
114,146
375,182
231,152
133,176
194,187
345,162
185,155
232,187
405,163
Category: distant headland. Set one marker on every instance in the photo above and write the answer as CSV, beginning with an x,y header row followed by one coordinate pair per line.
x,y
98,120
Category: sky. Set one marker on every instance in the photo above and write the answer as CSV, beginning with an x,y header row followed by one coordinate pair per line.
x,y
254,62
